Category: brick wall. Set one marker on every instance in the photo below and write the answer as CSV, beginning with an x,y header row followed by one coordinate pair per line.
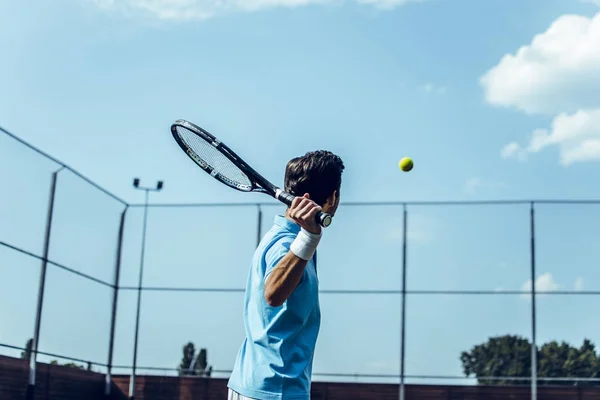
x,y
53,382
64,383
174,388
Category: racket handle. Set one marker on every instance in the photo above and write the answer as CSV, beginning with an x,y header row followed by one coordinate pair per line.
x,y
324,219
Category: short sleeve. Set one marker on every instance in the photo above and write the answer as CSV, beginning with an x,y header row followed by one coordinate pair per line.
x,y
276,252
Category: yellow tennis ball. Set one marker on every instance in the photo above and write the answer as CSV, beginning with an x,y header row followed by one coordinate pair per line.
x,y
406,164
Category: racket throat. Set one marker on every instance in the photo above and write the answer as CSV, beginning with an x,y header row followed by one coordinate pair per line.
x,y
284,197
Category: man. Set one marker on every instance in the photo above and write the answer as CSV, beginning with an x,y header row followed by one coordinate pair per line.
x,y
281,307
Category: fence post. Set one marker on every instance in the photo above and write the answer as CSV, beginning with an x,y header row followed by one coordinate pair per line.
x,y
403,315
30,394
114,303
533,317
259,226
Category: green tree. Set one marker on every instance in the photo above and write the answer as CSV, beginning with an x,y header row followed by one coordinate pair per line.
x,y
194,365
186,361
26,354
502,356
72,365
510,356
552,358
201,367
586,362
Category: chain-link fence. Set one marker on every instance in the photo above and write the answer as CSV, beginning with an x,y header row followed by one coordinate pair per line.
x,y
408,290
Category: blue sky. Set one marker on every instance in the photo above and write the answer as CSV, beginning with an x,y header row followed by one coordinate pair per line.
x,y
493,100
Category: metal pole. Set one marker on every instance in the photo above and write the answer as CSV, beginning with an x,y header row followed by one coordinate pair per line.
x,y
114,304
30,394
403,315
139,299
159,186
533,307
259,227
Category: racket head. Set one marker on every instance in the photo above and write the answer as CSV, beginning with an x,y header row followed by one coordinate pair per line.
x,y
214,157
220,162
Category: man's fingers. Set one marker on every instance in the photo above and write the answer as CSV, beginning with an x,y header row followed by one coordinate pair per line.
x,y
296,201
312,212
305,211
309,211
309,216
299,201
298,204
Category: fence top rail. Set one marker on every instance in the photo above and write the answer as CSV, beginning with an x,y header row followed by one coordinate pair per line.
x,y
383,203
62,164
63,357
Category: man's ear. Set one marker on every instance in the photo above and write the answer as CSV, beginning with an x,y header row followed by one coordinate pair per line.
x,y
332,199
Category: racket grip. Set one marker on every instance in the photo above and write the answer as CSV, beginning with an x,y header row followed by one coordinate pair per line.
x,y
324,219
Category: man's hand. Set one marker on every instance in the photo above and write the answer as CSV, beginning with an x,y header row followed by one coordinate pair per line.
x,y
303,211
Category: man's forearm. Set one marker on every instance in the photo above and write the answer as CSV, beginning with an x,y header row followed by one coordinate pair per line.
x,y
283,279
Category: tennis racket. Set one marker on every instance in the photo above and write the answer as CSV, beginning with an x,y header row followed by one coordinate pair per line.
x,y
220,162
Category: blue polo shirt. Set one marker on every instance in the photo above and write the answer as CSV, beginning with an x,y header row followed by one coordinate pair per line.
x,y
275,359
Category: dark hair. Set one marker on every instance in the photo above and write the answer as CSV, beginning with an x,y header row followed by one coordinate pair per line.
x,y
317,173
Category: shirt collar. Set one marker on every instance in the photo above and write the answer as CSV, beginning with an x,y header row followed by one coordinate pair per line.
x,y
286,223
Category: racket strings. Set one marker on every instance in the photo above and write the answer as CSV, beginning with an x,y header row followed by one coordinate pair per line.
x,y
218,162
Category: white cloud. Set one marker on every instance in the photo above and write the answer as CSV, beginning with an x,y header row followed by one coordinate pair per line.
x,y
558,74
576,135
433,88
559,71
513,150
204,9
543,283
578,286
388,4
474,184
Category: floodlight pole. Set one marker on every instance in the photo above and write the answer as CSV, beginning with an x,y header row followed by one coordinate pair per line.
x,y
157,188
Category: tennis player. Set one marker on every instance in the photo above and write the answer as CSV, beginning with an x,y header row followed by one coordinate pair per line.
x,y
281,306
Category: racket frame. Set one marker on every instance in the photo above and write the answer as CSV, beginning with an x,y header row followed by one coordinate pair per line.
x,y
258,183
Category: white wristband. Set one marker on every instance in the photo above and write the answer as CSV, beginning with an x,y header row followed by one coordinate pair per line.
x,y
305,244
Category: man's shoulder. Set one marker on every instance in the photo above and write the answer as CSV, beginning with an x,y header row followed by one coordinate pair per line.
x,y
277,235
274,244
